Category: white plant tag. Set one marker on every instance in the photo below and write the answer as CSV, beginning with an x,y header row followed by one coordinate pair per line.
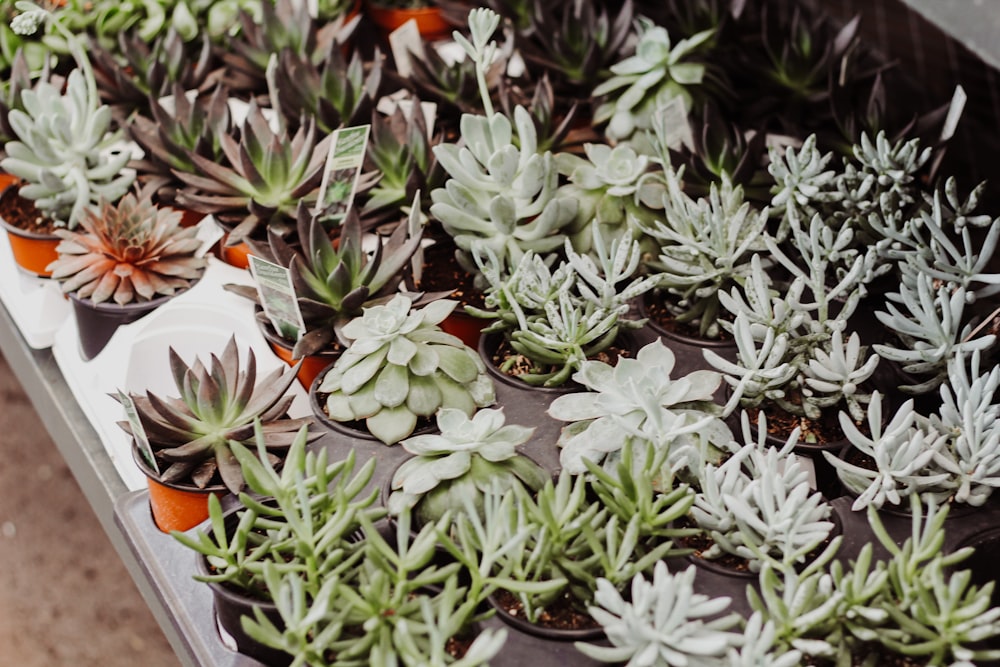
x,y
405,42
341,173
138,432
673,122
277,297
955,110
414,222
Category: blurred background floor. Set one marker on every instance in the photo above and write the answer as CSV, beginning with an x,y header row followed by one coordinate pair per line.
x,y
65,597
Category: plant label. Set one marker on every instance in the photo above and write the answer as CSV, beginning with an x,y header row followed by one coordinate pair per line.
x,y
405,42
672,124
277,297
138,432
341,173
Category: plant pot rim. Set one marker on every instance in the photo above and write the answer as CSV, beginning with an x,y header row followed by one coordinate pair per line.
x,y
342,427
9,191
177,486
694,341
112,307
537,630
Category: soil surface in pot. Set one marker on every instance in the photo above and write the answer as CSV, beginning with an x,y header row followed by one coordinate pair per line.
x,y
21,213
823,431
522,364
885,658
660,315
560,615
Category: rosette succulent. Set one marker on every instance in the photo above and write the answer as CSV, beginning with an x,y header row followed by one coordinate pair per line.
x,y
64,151
636,398
657,73
129,252
218,403
467,458
664,622
400,367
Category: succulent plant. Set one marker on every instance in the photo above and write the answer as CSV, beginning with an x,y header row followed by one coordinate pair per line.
x,y
268,176
558,319
467,458
62,151
19,80
276,27
704,248
333,285
575,42
758,504
336,92
218,403
571,542
399,367
663,622
637,399
135,71
186,125
401,152
616,188
129,252
500,195
657,73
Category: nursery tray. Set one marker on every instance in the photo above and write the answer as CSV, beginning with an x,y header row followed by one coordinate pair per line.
x,y
195,323
170,566
36,305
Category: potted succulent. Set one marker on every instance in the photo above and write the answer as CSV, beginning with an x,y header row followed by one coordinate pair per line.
x,y
465,459
333,283
548,322
398,369
125,260
191,435
314,576
636,399
64,154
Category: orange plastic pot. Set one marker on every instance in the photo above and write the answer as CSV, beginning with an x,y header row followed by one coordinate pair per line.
x,y
32,252
175,507
430,21
465,326
311,366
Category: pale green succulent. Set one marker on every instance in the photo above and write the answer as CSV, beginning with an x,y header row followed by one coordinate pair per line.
x,y
663,623
399,367
617,188
467,458
65,150
501,193
642,83
636,398
703,247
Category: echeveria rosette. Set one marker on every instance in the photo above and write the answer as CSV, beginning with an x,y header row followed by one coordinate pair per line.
x,y
664,623
469,457
614,186
636,398
401,366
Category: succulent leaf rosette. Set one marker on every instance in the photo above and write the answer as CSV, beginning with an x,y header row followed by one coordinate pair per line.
x,y
636,398
401,366
129,252
219,403
467,458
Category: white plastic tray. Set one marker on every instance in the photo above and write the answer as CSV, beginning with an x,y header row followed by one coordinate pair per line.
x,y
197,323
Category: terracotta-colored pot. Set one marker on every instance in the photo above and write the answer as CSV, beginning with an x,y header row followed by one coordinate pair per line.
x,y
311,366
33,252
468,328
430,22
174,506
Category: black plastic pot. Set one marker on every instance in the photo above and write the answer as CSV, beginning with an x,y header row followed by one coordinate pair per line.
x,y
231,605
97,322
537,630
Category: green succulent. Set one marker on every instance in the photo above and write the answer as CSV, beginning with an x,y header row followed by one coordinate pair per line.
x,y
268,176
400,367
467,458
218,403
334,284
657,73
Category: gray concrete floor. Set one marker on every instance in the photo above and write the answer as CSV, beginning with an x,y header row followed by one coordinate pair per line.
x,y
65,597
